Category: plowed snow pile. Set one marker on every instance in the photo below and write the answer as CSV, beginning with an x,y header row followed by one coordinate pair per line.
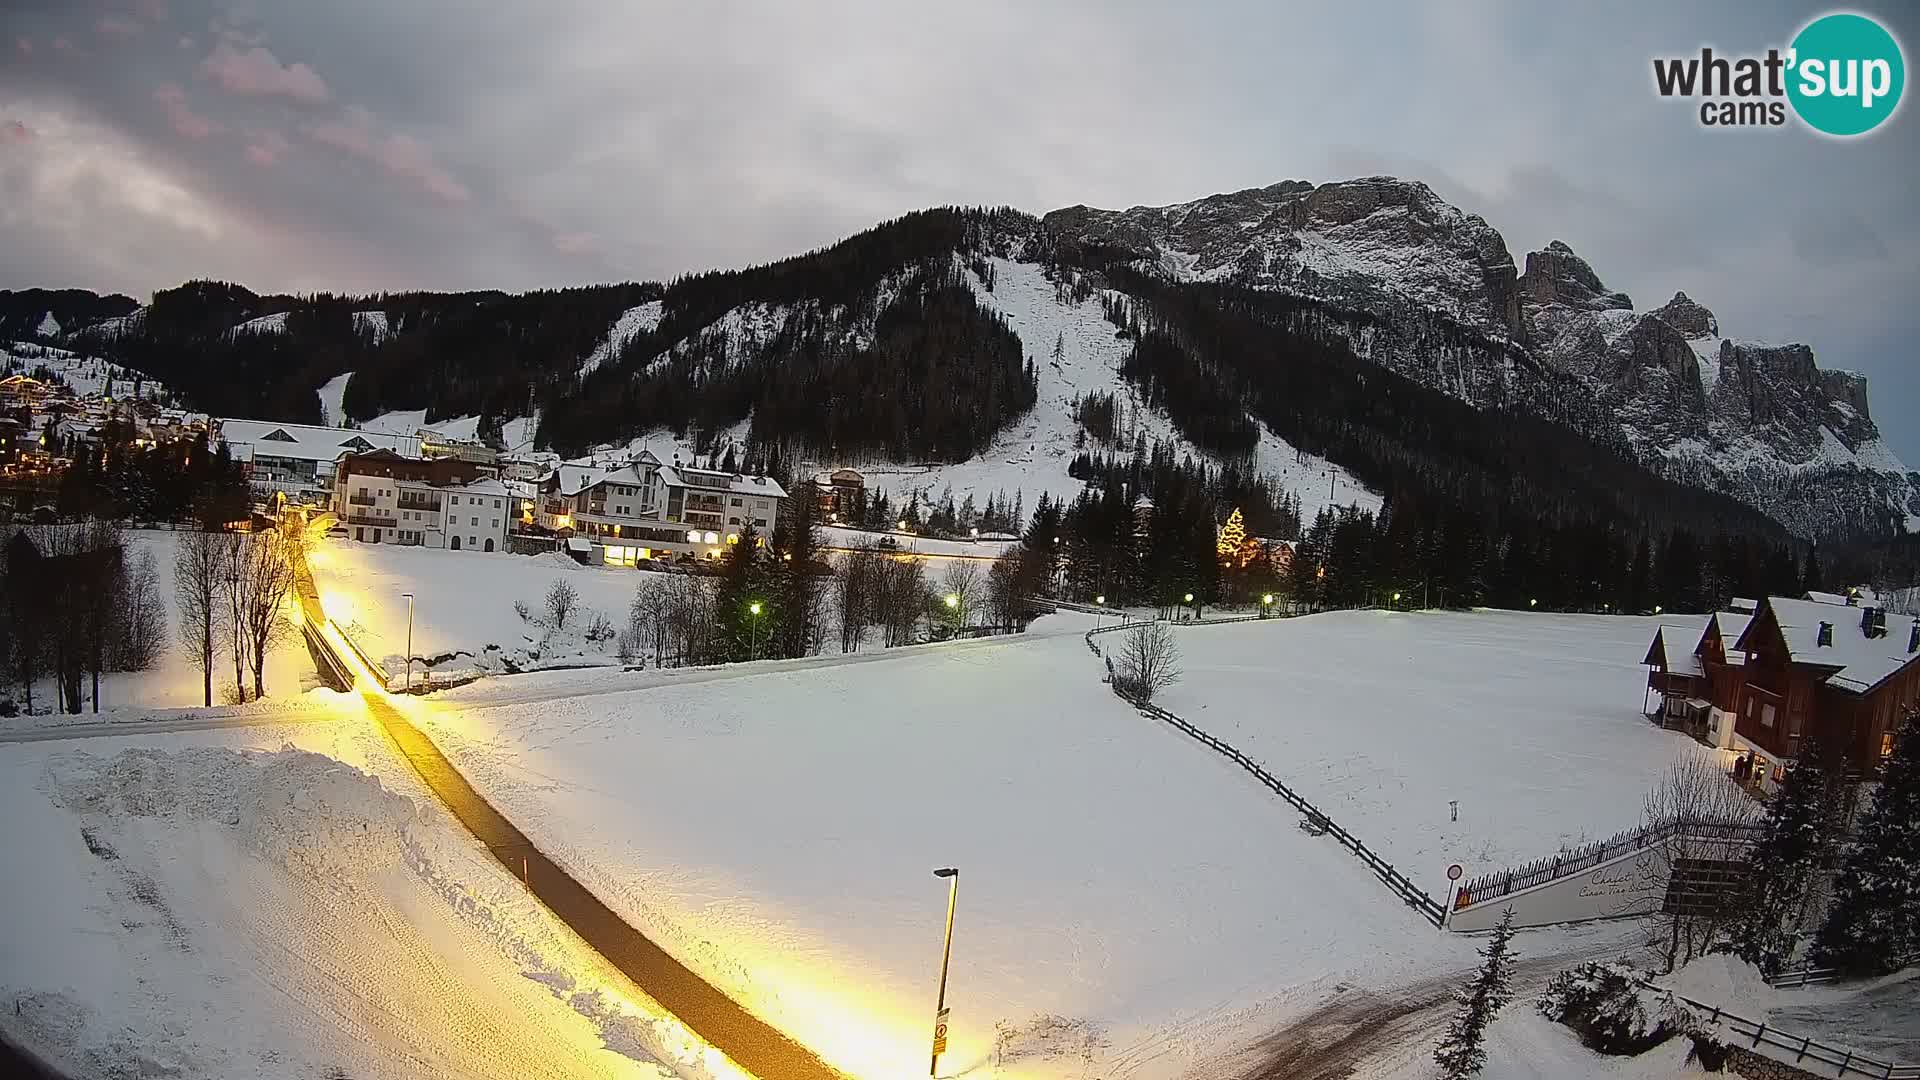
x,y
211,912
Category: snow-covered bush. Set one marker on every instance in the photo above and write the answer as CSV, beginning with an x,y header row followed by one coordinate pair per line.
x,y
1611,1011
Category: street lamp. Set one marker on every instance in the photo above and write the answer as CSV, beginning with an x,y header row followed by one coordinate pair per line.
x,y
954,604
753,609
952,874
409,597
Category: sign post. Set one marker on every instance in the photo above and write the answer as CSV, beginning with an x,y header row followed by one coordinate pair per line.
x,y
1453,893
946,956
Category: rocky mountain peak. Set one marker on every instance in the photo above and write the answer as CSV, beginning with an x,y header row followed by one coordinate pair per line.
x,y
1688,317
1555,275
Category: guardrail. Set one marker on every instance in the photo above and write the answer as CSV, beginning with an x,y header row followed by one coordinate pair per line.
x,y
1805,1049
1502,883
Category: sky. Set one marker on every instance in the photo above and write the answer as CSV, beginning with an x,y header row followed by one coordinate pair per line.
x,y
367,145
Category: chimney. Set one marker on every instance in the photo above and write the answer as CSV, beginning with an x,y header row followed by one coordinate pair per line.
x,y
1853,598
1825,639
1866,622
1913,637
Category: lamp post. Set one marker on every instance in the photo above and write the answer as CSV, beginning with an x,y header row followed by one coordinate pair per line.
x,y
957,605
1266,604
952,874
753,609
1196,607
409,597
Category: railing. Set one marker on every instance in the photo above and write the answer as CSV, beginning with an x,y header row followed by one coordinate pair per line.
x,y
371,519
1805,1049
360,500
1552,868
1428,908
1794,978
419,504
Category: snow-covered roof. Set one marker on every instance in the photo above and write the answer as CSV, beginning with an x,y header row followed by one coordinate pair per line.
x,y
486,486
714,480
1731,624
307,442
1860,662
1825,597
1672,648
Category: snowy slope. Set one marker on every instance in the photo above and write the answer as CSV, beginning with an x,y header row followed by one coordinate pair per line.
x,y
275,323
86,375
49,326
331,395
1127,905
374,323
634,321
1532,722
212,905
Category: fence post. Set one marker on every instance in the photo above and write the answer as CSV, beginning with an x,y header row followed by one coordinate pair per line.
x,y
1759,1031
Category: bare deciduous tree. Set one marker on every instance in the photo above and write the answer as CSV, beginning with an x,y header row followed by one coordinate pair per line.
x,y
143,618
902,597
962,580
268,570
1700,805
198,567
1149,660
859,586
1003,591
562,599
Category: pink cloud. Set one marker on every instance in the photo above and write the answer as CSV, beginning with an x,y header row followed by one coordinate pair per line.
x,y
184,120
574,243
264,148
116,26
401,155
258,73
17,131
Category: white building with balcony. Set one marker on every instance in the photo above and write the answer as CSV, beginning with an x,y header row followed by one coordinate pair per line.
x,y
298,458
645,510
383,498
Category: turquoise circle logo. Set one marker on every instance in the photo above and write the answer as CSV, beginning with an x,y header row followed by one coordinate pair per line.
x,y
1847,74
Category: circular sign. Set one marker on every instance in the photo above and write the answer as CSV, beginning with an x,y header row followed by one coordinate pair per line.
x,y
1454,872
1848,74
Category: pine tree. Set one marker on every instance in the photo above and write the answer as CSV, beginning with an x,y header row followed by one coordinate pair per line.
x,y
1874,922
1462,1050
1803,818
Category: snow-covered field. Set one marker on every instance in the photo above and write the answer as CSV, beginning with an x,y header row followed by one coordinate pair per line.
x,y
1531,722
1126,905
213,905
463,603
84,375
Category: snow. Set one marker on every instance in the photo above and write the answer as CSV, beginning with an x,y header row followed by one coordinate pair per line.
x,y
332,413
87,376
410,421
1142,900
275,323
1532,722
372,322
833,536
632,322
464,620
224,905
49,326
1707,350
173,681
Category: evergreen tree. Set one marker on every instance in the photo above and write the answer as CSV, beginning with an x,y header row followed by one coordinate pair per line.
x,y
1811,575
1462,1050
1874,923
1782,870
1233,536
796,583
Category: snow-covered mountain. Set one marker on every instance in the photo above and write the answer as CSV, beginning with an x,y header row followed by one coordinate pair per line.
x,y
1758,421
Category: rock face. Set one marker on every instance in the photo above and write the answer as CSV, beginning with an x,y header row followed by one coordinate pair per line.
x,y
1761,422
1381,243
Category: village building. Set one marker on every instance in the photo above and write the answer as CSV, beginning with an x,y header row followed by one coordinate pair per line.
x,y
644,510
841,495
1760,683
380,497
298,459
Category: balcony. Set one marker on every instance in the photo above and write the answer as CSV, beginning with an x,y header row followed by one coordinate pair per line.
x,y
361,500
430,506
371,519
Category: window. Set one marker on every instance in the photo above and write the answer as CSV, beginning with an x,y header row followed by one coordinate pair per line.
x,y
471,541
760,523
735,502
474,522
496,504
454,499
1766,716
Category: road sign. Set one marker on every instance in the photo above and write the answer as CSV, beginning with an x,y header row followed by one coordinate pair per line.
x,y
940,1033
1454,872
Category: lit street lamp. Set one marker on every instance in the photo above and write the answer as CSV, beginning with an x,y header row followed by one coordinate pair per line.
x,y
955,604
1266,604
952,874
409,597
753,609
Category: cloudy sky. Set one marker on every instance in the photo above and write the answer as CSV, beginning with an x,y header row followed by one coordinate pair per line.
x,y
362,145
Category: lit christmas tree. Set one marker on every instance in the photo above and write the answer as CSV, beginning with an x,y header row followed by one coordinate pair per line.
x,y
1232,535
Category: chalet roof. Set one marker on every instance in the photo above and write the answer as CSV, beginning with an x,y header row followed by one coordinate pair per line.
x,y
1731,625
1818,597
1860,663
307,442
715,480
484,486
1671,649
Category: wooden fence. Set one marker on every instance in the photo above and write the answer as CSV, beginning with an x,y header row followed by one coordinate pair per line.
x,y
1795,978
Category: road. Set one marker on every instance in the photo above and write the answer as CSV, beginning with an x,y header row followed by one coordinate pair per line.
x,y
748,1041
